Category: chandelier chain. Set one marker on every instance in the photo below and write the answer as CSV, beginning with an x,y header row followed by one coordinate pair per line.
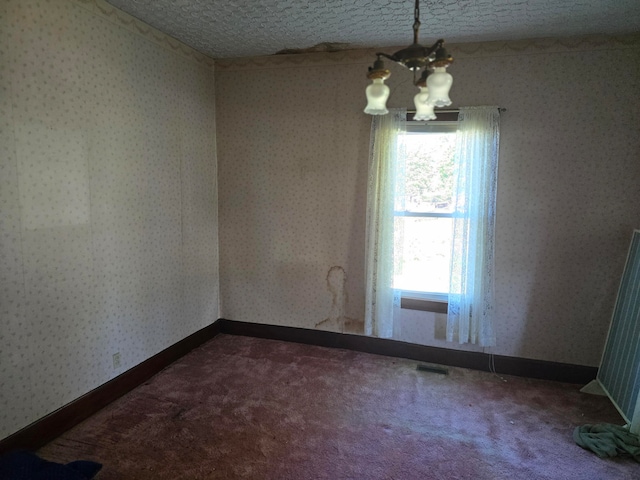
x,y
416,23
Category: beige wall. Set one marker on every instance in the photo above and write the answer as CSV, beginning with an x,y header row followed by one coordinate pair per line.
x,y
108,208
293,145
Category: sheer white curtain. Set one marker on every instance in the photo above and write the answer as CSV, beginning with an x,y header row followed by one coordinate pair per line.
x,y
470,317
385,160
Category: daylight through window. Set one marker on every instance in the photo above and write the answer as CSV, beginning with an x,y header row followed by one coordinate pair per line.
x,y
424,205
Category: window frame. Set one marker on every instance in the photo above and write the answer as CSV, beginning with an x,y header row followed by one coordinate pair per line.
x,y
416,300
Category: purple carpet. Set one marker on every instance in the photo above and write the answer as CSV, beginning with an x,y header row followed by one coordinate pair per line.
x,y
241,407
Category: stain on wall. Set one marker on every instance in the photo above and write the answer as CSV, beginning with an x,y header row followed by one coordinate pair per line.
x,y
336,321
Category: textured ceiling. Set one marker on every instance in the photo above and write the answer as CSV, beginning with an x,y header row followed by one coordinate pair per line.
x,y
240,28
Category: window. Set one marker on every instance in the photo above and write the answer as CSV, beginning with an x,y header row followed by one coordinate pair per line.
x,y
423,211
409,218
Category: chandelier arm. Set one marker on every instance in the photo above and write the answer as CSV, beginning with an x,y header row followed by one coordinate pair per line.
x,y
385,55
433,48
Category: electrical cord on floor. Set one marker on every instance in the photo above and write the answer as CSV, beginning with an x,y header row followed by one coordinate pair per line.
x,y
492,368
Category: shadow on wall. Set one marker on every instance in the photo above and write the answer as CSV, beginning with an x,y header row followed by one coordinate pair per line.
x,y
336,321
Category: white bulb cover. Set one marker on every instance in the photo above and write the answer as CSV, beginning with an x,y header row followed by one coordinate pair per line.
x,y
439,84
377,95
424,108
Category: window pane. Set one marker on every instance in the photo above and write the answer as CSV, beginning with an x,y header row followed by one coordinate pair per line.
x,y
422,254
428,172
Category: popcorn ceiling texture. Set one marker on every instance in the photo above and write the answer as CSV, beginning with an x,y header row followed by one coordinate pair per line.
x,y
222,28
107,200
293,152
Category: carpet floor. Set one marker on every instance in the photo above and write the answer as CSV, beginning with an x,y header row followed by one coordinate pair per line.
x,y
241,407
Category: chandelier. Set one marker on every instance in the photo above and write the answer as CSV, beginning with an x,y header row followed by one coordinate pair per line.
x,y
434,82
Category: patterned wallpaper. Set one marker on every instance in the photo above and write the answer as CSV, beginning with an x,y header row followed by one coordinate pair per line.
x,y
108,208
293,145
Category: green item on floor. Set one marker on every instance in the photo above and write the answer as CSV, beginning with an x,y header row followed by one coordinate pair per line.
x,y
607,440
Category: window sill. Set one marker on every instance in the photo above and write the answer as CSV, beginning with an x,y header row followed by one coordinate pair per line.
x,y
424,305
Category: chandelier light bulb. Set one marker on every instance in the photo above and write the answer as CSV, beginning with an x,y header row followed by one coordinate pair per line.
x,y
439,83
424,107
377,94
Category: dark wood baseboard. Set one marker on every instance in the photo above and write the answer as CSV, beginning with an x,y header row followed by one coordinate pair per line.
x,y
522,367
53,425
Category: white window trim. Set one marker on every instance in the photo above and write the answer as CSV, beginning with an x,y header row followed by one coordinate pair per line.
x,y
427,127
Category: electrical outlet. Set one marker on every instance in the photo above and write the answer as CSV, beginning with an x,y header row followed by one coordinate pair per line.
x,y
116,360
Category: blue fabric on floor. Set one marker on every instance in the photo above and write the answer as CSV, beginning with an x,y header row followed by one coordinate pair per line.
x,y
24,465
